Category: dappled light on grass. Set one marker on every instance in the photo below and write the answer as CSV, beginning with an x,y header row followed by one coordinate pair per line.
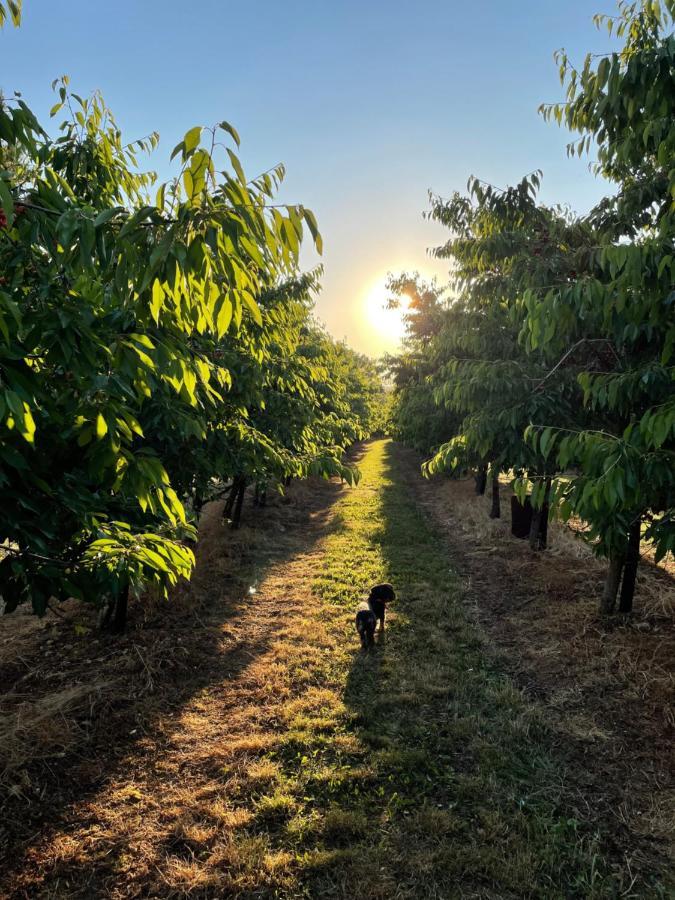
x,y
299,765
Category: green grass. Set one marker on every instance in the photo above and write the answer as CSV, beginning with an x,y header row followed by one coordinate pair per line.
x,y
416,769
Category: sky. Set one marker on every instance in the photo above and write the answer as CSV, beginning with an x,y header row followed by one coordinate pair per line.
x,y
368,104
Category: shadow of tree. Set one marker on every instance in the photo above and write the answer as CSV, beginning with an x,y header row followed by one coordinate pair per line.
x,y
415,769
470,792
169,655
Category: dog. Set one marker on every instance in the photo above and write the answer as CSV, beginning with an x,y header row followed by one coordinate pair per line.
x,y
378,598
365,625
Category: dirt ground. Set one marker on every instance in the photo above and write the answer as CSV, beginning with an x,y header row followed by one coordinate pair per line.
x,y
218,748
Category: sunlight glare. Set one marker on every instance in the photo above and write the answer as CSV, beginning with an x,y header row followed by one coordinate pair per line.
x,y
388,323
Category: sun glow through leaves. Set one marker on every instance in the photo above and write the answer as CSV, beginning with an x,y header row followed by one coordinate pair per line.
x,y
385,326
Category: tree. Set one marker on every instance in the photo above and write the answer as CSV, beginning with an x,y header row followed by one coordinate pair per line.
x,y
415,417
625,464
556,352
501,241
112,309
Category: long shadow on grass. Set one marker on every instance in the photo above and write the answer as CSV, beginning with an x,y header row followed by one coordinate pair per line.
x,y
427,622
468,793
128,727
418,762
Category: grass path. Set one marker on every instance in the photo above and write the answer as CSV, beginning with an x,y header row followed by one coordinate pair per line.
x,y
304,767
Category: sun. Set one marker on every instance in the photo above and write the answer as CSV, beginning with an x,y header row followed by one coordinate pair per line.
x,y
387,324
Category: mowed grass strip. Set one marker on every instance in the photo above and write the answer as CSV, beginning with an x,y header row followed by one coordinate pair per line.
x,y
415,769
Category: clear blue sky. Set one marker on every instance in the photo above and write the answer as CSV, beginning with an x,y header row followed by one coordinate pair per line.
x,y
369,104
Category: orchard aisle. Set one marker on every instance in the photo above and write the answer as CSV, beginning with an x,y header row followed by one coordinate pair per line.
x,y
301,767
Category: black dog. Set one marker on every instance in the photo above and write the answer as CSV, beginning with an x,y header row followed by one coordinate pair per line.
x,y
365,625
380,595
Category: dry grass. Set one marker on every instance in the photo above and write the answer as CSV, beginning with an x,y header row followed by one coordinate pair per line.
x,y
153,755
44,727
606,686
241,745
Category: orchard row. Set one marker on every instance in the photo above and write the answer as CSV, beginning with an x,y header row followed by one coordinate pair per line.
x,y
552,356
157,349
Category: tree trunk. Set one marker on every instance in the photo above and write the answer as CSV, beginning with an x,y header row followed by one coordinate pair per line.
x,y
256,494
119,622
495,509
481,480
539,525
543,522
521,517
236,517
612,581
630,568
535,529
231,497
113,615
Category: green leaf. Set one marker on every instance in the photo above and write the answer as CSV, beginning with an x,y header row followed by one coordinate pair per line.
x,y
313,229
106,216
236,165
191,140
546,441
253,307
27,426
223,315
142,339
157,300
101,427
179,148
7,202
231,131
